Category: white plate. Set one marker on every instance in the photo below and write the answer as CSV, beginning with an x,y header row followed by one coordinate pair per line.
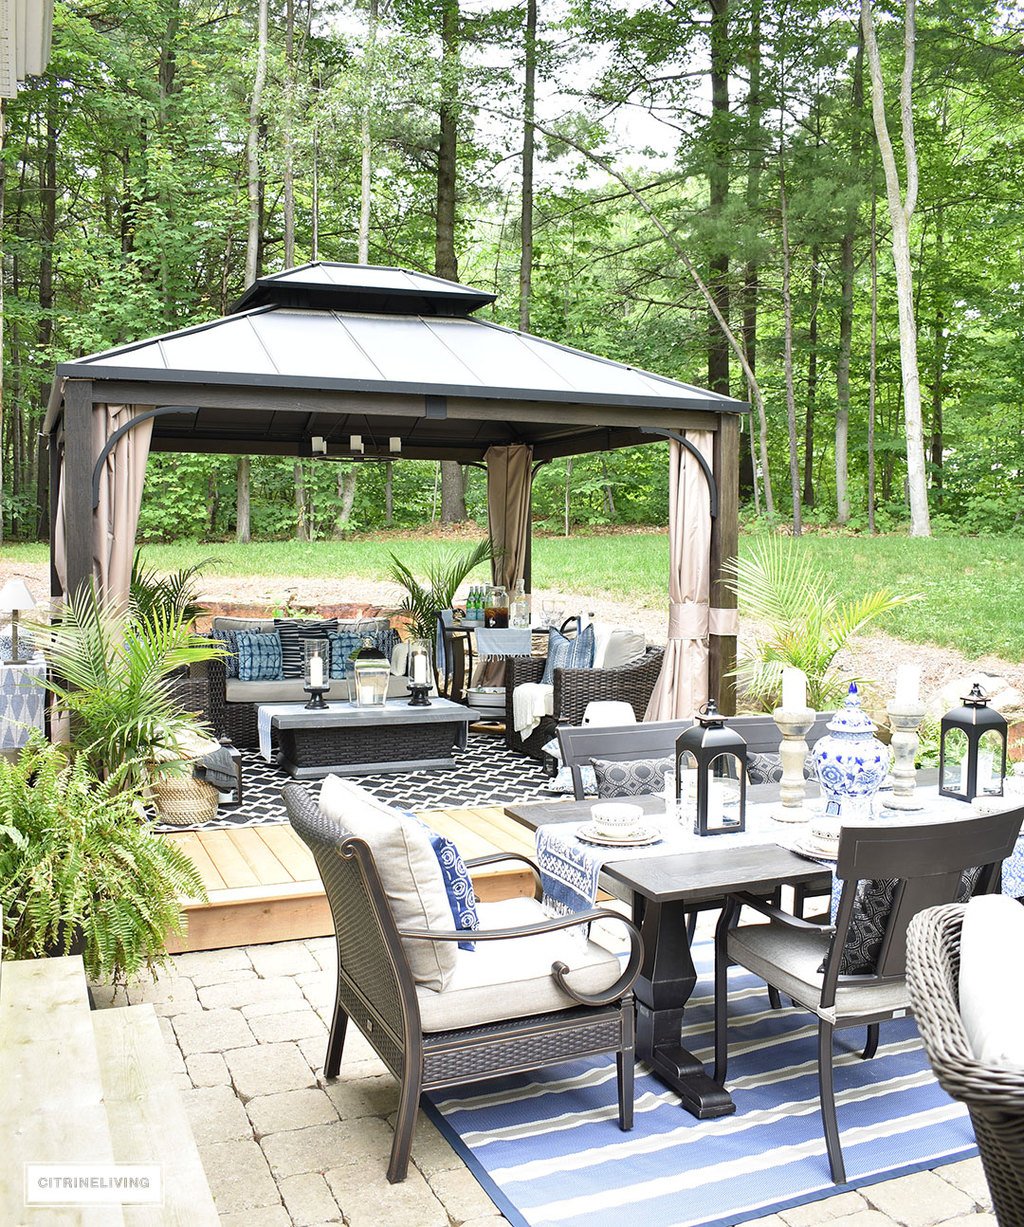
x,y
589,833
809,847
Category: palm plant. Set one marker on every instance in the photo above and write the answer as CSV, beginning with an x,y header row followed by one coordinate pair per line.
x,y
112,674
807,624
424,601
84,868
175,593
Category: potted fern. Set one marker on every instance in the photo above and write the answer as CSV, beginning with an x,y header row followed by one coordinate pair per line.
x,y
80,871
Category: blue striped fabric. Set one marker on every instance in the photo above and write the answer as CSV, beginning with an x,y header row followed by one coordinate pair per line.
x,y
547,1148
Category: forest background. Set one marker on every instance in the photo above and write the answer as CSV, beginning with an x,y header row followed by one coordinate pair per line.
x,y
593,162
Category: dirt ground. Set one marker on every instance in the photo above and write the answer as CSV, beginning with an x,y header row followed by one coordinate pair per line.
x,y
871,656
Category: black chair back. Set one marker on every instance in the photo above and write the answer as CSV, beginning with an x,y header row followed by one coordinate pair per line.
x,y
618,743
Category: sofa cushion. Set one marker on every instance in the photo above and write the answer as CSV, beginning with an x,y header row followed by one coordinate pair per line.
x,y
289,690
511,977
343,643
409,872
991,993
615,646
300,637
221,623
565,653
259,656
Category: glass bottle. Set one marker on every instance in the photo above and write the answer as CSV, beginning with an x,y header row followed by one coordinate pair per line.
x,y
519,610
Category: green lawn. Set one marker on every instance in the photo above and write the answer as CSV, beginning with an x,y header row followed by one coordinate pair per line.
x,y
973,587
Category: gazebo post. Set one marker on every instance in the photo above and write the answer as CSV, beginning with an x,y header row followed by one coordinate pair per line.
x,y
724,547
77,484
53,447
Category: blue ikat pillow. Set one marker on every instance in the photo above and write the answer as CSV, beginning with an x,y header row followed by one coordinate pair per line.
x,y
457,883
565,653
259,656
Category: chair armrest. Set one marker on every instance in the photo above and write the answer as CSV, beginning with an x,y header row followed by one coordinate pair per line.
x,y
777,914
496,858
559,969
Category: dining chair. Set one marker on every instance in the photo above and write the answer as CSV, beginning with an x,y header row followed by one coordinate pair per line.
x,y
855,974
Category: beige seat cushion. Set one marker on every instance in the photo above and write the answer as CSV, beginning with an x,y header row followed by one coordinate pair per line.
x,y
409,872
289,690
789,959
512,978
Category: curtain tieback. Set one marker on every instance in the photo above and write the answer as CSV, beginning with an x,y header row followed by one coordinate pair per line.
x,y
723,622
687,620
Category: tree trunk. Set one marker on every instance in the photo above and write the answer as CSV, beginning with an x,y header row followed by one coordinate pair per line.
x,y
718,191
526,219
433,501
287,141
750,271
873,359
314,221
347,478
812,381
453,492
787,311
252,150
607,490
365,135
846,285
302,532
567,512
901,210
939,345
389,492
243,526
445,261
212,503
3,189
44,332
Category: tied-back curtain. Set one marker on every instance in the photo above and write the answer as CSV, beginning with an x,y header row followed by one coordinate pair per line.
x,y
509,484
116,516
682,687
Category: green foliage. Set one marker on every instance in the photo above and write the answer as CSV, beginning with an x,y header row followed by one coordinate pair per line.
x,y
424,601
166,596
111,672
806,624
85,866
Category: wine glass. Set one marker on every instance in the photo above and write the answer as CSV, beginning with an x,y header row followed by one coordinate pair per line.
x,y
550,609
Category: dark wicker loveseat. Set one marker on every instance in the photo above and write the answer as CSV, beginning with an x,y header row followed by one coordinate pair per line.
x,y
631,683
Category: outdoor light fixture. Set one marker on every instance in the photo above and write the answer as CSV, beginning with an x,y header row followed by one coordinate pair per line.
x,y
355,443
318,445
419,670
15,598
394,444
972,749
369,675
719,756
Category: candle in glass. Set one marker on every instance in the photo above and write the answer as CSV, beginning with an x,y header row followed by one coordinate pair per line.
x,y
316,670
908,687
419,669
794,690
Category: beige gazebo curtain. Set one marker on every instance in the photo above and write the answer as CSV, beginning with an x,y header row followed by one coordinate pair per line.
x,y
509,485
116,517
683,685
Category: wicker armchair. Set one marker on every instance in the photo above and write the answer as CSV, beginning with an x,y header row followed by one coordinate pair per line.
x,y
994,1096
574,689
376,989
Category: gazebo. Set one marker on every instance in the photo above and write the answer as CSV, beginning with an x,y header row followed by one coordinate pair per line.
x,y
368,363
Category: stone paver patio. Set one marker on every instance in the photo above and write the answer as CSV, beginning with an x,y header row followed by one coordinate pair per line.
x,y
246,1031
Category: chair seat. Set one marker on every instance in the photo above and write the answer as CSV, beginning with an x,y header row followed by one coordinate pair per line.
x,y
789,959
512,979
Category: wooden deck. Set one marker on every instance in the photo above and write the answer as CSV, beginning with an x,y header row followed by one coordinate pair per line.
x,y
263,885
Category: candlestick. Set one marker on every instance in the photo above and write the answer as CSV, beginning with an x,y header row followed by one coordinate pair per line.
x,y
904,722
794,690
793,725
908,688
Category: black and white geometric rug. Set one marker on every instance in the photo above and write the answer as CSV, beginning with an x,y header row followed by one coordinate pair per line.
x,y
485,773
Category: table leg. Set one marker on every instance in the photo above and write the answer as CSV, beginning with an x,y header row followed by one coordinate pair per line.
x,y
666,981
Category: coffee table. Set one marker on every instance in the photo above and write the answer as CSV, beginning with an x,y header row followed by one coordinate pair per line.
x,y
347,740
662,889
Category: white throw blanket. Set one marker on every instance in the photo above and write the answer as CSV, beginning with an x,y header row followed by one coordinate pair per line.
x,y
531,702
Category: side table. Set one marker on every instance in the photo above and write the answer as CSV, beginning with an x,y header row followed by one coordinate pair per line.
x,y
22,701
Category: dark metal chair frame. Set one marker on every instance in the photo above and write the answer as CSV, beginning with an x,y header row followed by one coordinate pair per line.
x,y
377,992
929,861
994,1095
574,688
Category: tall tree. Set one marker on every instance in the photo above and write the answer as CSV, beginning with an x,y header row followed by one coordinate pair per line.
x,y
902,203
526,215
718,194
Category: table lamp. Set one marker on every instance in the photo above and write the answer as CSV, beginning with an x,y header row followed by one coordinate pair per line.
x,y
15,598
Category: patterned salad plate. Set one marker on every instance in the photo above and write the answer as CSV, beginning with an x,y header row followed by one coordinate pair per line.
x,y
589,833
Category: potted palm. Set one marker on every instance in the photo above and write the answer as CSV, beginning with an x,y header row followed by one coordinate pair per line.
x,y
423,601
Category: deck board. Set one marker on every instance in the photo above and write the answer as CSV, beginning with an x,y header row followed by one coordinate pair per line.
x,y
263,885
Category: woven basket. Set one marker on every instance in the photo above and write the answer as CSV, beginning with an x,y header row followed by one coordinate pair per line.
x,y
182,800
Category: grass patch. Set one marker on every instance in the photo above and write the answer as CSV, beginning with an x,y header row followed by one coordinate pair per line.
x,y
973,587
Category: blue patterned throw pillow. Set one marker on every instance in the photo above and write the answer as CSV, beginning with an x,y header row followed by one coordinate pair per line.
x,y
259,656
457,883
633,778
565,653
343,644
227,641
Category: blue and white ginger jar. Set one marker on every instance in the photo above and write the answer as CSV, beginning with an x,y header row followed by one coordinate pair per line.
x,y
850,760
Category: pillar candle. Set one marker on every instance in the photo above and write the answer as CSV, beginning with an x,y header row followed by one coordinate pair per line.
x,y
419,669
316,670
908,686
794,690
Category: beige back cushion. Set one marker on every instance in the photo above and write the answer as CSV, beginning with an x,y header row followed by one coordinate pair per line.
x,y
263,625
409,873
614,646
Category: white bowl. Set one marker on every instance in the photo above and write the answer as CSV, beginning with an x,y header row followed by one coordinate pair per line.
x,y
616,819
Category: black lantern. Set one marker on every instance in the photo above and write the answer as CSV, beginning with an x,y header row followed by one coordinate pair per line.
x,y
972,749
719,756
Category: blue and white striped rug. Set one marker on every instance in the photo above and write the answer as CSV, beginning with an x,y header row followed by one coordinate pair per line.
x,y
547,1148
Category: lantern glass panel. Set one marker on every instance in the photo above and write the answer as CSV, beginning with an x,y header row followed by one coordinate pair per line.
x,y
723,783
990,764
954,761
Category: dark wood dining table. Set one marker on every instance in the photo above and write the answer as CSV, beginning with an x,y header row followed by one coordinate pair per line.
x,y
661,891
